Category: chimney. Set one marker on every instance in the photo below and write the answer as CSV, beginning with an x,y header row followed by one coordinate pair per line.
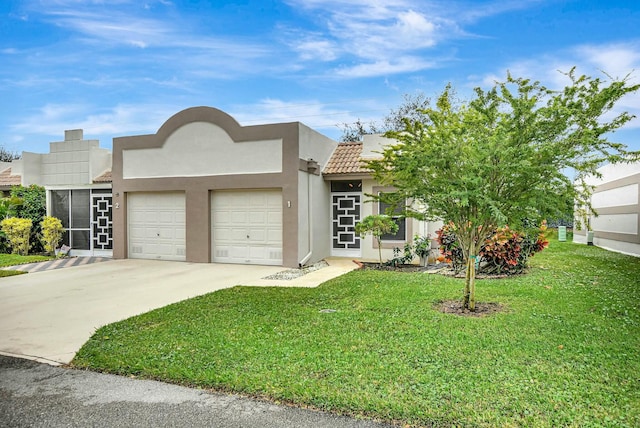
x,y
73,135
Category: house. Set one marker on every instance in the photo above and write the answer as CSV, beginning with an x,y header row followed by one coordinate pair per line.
x,y
351,186
205,189
75,174
616,199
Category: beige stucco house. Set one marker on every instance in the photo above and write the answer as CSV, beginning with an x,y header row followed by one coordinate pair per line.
x,y
205,189
616,199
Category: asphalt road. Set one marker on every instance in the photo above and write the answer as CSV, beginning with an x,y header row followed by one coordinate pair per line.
x,y
38,395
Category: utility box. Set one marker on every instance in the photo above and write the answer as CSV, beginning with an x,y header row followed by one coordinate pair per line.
x,y
590,237
562,233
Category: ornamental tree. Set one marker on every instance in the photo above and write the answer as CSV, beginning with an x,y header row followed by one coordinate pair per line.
x,y
500,158
376,225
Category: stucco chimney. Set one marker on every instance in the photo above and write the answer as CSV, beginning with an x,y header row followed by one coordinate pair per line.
x,y
73,135
373,144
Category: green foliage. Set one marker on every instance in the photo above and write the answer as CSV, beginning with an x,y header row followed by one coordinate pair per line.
x,y
450,246
501,157
422,246
401,256
376,225
52,232
6,204
33,206
17,231
505,252
565,352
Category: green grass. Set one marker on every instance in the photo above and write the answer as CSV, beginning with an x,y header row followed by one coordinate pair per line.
x,y
15,259
565,353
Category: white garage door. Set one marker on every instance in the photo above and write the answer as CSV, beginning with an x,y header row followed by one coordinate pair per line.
x,y
156,226
246,227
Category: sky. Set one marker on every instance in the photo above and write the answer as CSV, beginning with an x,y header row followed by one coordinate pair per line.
x,y
123,67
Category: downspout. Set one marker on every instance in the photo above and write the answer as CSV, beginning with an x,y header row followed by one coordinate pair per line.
x,y
306,258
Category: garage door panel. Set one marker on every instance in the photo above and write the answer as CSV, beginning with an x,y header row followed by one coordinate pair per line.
x,y
247,227
156,224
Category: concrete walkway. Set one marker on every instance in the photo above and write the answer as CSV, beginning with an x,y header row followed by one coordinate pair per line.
x,y
57,264
48,315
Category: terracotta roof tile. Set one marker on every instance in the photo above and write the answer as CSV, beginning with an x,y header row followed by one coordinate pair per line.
x,y
346,159
105,177
7,180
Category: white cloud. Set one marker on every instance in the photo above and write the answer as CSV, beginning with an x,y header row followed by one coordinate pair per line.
x,y
326,117
385,67
381,37
617,60
122,119
316,49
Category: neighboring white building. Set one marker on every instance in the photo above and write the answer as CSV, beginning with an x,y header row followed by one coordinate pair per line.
x,y
76,174
616,199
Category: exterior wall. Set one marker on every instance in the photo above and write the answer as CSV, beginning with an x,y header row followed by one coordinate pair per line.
x,y
252,146
29,167
414,227
192,144
73,162
315,234
313,197
616,199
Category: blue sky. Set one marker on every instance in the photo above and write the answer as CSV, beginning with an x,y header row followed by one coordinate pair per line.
x,y
123,67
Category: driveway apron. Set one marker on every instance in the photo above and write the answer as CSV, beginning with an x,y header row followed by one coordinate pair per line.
x,y
47,316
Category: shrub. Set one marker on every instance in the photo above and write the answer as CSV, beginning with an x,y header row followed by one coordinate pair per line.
x,y
17,231
30,202
449,246
505,252
400,256
52,231
376,225
422,247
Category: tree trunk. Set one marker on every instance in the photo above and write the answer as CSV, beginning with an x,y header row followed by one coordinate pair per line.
x,y
379,250
467,289
472,283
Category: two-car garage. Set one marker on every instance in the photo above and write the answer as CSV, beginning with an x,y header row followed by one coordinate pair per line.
x,y
245,226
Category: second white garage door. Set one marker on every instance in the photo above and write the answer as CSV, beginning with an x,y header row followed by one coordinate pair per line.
x,y
156,225
246,227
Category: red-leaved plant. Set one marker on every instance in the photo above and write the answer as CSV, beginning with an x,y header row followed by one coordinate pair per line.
x,y
505,252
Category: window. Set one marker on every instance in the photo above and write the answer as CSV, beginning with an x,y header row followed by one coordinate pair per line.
x,y
346,186
73,208
401,234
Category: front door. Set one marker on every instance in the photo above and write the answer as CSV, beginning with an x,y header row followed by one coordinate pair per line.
x,y
346,202
101,222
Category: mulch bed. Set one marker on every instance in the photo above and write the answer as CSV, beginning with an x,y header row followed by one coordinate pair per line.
x,y
483,309
399,268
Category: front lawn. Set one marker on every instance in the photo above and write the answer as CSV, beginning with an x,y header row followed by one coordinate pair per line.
x,y
15,259
565,352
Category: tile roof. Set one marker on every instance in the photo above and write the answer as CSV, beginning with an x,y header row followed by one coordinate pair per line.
x,y
346,159
105,177
7,180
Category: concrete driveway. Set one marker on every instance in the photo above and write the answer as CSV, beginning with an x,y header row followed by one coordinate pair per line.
x,y
47,316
